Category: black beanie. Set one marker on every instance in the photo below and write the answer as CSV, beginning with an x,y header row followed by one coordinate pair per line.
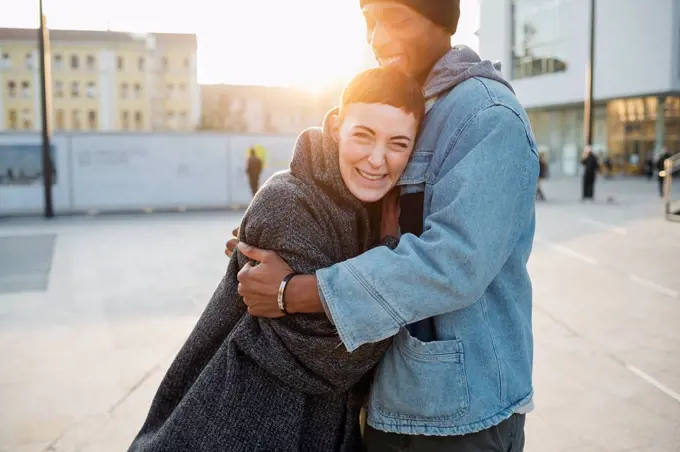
x,y
442,12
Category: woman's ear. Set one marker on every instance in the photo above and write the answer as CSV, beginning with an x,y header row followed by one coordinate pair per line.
x,y
335,127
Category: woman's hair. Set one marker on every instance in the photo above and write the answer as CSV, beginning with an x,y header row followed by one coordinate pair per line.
x,y
387,86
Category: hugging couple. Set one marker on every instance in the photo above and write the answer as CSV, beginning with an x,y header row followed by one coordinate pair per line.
x,y
385,269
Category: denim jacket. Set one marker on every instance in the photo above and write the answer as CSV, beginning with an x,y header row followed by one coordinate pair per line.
x,y
469,366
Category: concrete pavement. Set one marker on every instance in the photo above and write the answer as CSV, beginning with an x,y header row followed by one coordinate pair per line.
x,y
95,308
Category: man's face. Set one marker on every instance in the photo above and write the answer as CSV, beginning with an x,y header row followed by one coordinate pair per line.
x,y
375,143
402,38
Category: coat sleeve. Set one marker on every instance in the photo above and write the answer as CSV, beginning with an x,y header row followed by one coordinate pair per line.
x,y
308,345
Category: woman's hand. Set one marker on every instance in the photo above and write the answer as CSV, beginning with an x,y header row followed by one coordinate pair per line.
x,y
389,223
231,243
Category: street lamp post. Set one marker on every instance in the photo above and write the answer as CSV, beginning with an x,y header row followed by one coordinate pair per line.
x,y
46,100
590,81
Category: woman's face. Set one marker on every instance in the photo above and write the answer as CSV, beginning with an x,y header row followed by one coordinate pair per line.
x,y
375,143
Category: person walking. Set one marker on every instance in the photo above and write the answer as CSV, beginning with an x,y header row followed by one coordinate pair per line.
x,y
591,166
254,169
660,167
542,174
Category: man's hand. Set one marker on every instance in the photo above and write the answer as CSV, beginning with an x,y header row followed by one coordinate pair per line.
x,y
259,284
231,243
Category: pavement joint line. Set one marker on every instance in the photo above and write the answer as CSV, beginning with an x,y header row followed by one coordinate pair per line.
x,y
654,382
155,368
571,331
134,387
634,370
571,253
611,355
652,285
608,227
111,411
51,446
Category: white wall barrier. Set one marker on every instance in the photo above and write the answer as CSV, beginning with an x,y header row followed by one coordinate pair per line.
x,y
132,171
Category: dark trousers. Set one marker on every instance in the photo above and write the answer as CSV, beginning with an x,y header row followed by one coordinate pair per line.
x,y
254,184
588,186
508,436
661,184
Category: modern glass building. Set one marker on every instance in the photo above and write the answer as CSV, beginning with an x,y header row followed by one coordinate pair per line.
x,y
544,47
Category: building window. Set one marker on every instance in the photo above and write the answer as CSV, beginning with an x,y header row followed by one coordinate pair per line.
x,y
171,120
26,119
75,120
75,89
125,120
92,119
138,91
75,63
538,46
11,89
138,120
124,90
25,89
59,119
140,63
183,119
164,63
91,90
171,90
59,89
13,122
29,61
6,61
91,63
58,62
181,89
186,63
121,63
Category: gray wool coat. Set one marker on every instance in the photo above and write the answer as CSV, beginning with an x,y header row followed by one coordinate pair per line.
x,y
245,384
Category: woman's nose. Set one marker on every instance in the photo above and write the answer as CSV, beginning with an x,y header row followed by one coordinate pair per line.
x,y
377,156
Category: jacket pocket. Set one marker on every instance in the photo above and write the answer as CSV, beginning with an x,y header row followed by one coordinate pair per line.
x,y
422,380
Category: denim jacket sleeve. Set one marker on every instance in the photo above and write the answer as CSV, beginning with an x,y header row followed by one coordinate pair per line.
x,y
480,205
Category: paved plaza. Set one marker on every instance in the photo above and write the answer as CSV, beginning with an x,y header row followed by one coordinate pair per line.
x,y
93,310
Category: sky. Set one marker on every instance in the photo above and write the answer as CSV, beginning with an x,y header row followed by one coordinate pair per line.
x,y
306,43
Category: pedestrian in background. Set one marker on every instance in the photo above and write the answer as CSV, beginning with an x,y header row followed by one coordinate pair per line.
x,y
254,169
609,167
660,167
590,168
542,174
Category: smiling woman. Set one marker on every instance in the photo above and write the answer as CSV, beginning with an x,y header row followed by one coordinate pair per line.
x,y
245,384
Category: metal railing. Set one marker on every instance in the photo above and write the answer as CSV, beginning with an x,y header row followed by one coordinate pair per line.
x,y
671,166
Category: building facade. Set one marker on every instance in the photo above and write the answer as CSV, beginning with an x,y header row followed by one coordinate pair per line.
x,y
544,47
101,80
264,109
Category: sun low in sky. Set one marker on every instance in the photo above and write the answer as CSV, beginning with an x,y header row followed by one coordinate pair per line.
x,y
306,43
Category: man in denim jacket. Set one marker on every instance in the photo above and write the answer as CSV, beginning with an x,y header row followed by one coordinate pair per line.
x,y
455,292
